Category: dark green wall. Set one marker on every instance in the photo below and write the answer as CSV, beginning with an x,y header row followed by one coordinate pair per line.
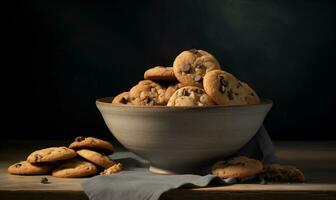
x,y
67,54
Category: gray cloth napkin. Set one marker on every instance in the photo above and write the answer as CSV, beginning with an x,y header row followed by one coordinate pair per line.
x,y
136,182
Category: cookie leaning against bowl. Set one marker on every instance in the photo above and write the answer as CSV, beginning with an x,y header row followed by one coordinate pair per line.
x,y
190,96
237,167
122,99
92,144
75,168
147,93
191,66
224,88
51,154
27,168
96,158
160,73
281,173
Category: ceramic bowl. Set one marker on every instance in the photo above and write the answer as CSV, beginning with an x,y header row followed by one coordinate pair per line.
x,y
182,139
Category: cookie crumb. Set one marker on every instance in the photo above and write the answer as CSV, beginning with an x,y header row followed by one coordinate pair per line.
x,y
44,180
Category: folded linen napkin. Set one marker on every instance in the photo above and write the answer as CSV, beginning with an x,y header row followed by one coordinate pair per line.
x,y
136,182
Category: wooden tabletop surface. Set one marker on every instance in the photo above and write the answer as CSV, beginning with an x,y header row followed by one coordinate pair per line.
x,y
316,159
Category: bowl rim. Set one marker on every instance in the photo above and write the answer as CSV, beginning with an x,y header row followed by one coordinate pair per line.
x,y
102,102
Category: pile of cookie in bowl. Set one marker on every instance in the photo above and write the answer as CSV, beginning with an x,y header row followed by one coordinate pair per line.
x,y
196,79
86,156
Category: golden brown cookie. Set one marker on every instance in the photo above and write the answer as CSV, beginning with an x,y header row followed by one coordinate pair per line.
x,y
281,173
75,168
27,168
117,167
122,99
224,88
251,96
190,96
171,89
191,66
96,158
237,167
92,144
160,73
147,93
51,154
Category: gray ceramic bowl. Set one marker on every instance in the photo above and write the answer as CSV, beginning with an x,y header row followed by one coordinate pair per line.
x,y
182,139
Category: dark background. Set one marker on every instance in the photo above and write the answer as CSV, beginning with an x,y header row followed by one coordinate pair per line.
x,y
65,55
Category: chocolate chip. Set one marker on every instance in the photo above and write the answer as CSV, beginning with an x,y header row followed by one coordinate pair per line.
x,y
198,78
236,94
17,165
185,68
229,94
123,100
223,81
185,93
79,138
44,180
251,94
239,84
149,102
194,51
37,157
222,88
93,142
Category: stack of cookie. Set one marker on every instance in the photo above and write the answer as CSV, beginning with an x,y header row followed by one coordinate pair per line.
x,y
86,156
196,79
242,167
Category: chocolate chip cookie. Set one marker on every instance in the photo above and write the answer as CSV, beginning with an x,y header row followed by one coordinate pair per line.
x,y
191,66
92,144
190,96
117,167
51,154
281,173
27,168
224,88
75,168
122,99
251,96
160,73
96,158
237,167
147,93
171,89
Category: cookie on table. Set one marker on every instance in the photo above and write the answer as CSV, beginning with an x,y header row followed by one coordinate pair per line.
x,y
75,168
281,173
224,88
160,73
122,99
237,167
51,154
27,168
190,96
92,144
117,167
147,93
191,66
96,158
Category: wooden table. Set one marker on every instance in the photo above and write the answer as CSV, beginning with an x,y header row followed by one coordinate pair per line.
x,y
316,159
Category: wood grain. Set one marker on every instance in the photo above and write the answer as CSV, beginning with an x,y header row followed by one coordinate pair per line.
x,y
316,159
